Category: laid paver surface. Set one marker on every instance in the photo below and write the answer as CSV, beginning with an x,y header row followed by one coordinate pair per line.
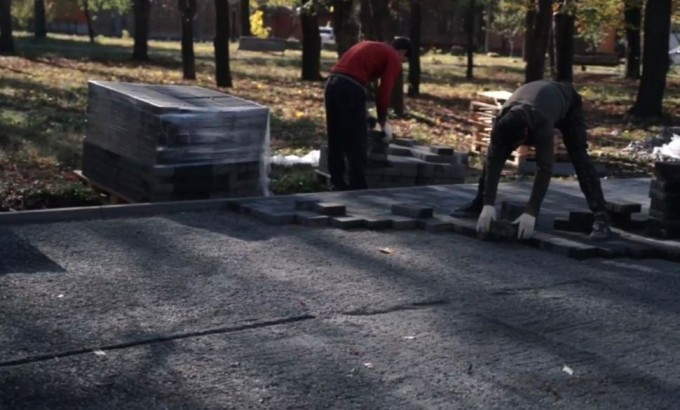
x,y
217,310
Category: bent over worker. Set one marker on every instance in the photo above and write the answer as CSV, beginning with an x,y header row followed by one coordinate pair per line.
x,y
529,117
346,113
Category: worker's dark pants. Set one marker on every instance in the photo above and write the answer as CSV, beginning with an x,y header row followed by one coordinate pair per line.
x,y
573,129
347,132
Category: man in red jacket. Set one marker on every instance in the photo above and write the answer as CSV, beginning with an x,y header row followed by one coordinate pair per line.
x,y
345,99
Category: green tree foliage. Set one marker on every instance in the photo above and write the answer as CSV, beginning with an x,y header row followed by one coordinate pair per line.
x,y
22,10
508,19
594,19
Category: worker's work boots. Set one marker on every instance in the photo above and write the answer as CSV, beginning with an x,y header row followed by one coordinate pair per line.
x,y
601,230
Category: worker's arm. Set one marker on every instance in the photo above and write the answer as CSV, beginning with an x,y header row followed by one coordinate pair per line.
x,y
387,81
545,142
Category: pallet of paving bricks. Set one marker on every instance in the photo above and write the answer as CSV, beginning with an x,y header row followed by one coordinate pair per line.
x,y
160,143
123,177
664,194
403,163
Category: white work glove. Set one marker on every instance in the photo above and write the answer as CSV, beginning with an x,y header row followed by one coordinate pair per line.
x,y
484,222
526,224
387,129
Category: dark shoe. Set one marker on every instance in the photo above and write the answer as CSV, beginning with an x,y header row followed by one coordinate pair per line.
x,y
469,210
601,231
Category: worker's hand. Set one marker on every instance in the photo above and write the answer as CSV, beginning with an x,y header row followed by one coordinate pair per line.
x,y
484,222
526,224
387,129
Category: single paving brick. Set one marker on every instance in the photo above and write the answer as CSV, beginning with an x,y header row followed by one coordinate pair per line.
x,y
403,222
348,222
441,150
404,142
623,207
566,247
667,171
306,204
378,222
581,221
665,186
504,229
436,224
511,210
308,218
330,208
412,210
562,225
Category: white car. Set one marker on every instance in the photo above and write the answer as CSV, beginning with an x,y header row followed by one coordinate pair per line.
x,y
327,35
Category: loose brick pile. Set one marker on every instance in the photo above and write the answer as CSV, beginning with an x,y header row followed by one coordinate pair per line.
x,y
403,162
664,209
159,143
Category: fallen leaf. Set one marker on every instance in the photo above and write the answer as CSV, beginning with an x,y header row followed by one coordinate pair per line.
x,y
99,352
386,251
368,365
409,337
60,295
567,370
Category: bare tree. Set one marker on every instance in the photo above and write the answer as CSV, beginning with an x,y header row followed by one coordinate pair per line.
x,y
564,27
346,24
88,19
141,9
221,44
538,29
655,60
187,11
633,22
414,57
6,39
39,20
311,42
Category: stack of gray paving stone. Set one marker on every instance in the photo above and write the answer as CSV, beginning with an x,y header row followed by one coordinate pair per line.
x,y
403,163
159,143
664,209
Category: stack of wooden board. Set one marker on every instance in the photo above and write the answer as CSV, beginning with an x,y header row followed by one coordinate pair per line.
x,y
664,209
158,143
481,117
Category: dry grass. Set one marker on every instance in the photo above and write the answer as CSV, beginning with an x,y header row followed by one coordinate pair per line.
x,y
43,97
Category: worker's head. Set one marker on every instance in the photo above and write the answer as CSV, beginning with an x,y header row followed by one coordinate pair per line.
x,y
512,127
403,47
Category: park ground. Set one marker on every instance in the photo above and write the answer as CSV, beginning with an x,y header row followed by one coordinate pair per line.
x,y
43,98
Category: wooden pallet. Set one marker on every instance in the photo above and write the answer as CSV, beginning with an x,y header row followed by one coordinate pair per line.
x,y
113,196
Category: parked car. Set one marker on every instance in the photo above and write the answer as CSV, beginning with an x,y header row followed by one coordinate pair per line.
x,y
327,35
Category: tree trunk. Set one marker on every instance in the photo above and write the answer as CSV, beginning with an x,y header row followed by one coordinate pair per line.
x,y
221,44
470,30
141,8
346,24
539,33
528,38
375,20
633,22
564,46
88,19
6,39
414,57
40,21
655,60
245,18
311,45
187,12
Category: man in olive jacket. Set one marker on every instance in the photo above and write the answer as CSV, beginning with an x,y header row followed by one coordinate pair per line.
x,y
529,117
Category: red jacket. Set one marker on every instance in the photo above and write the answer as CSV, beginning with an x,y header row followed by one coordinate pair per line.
x,y
368,61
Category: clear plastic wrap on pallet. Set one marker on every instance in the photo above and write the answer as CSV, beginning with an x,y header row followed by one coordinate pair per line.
x,y
158,138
